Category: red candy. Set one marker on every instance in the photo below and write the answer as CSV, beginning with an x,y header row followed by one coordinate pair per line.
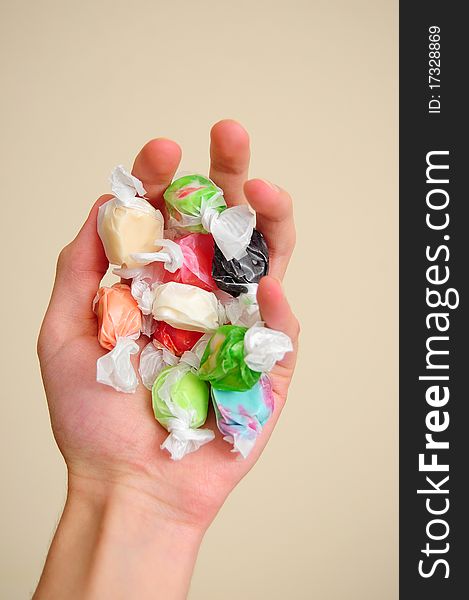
x,y
177,341
198,250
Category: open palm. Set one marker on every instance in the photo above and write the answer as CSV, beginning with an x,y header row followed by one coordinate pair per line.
x,y
113,437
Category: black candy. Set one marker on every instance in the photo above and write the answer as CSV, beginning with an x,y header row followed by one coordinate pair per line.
x,y
232,275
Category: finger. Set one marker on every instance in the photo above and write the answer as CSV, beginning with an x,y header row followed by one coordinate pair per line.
x,y
229,159
274,211
277,314
155,166
80,267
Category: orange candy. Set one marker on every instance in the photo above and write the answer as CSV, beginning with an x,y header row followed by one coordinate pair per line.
x,y
118,314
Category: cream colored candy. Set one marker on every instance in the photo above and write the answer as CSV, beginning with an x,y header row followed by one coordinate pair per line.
x,y
128,224
128,230
187,307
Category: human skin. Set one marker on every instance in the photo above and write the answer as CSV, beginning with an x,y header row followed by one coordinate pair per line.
x,y
133,520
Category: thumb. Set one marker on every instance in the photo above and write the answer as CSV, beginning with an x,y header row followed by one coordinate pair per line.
x,y
80,267
277,314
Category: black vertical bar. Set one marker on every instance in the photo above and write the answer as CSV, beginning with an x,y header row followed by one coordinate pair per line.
x,y
433,120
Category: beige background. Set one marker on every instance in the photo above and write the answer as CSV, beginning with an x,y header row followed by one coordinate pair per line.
x,y
85,84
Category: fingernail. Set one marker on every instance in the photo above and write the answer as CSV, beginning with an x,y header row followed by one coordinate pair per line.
x,y
271,185
279,281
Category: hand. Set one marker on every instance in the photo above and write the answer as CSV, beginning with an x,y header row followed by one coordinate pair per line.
x,y
111,441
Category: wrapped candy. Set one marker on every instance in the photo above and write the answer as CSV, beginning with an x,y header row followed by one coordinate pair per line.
x,y
223,363
196,204
198,250
119,324
235,356
184,199
232,276
242,415
128,224
187,307
177,341
186,259
180,405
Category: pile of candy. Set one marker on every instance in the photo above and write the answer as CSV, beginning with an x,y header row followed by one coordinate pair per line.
x,y
192,291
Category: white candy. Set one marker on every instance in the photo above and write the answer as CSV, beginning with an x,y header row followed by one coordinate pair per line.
x,y
187,307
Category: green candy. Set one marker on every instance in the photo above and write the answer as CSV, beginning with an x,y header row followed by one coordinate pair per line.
x,y
184,199
223,362
188,393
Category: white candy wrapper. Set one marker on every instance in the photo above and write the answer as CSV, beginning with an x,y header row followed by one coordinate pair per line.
x,y
142,291
143,280
125,186
171,256
232,229
153,360
151,272
128,224
194,356
115,368
243,310
148,325
155,357
183,439
263,347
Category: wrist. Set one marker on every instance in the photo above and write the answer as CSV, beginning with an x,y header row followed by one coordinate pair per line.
x,y
131,501
173,497
116,541
142,547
